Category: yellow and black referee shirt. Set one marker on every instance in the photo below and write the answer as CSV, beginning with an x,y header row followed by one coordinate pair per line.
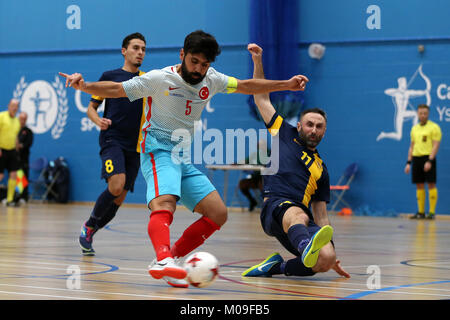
x,y
423,137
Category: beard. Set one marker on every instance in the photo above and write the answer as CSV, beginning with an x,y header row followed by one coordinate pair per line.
x,y
191,77
311,140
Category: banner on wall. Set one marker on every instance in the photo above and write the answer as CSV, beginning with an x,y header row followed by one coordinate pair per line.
x,y
406,99
45,103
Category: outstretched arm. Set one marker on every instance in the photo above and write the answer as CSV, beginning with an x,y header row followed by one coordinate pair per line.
x,y
105,89
262,101
259,85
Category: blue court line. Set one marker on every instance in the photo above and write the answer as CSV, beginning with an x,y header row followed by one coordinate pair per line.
x,y
369,292
110,227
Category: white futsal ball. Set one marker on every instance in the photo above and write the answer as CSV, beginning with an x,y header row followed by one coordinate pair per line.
x,y
202,269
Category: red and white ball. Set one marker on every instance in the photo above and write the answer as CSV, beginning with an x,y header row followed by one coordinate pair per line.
x,y
202,269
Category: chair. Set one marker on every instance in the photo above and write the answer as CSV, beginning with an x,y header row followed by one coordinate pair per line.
x,y
343,184
38,185
51,176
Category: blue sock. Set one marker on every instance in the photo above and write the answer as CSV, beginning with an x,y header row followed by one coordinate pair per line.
x,y
299,236
295,267
101,207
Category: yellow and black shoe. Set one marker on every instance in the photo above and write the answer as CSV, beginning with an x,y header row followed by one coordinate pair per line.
x,y
263,269
317,242
430,216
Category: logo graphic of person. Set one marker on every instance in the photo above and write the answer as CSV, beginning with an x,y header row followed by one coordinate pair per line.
x,y
400,98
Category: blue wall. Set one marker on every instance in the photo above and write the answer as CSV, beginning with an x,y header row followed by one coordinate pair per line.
x,y
43,45
348,82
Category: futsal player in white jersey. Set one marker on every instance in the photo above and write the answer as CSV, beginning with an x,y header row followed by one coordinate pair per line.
x,y
177,96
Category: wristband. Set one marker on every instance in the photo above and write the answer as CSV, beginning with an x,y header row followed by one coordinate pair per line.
x,y
408,162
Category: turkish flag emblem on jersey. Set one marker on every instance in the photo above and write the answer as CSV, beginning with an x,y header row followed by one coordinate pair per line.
x,y
203,93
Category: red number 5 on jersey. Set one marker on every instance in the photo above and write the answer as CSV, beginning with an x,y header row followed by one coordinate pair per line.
x,y
188,107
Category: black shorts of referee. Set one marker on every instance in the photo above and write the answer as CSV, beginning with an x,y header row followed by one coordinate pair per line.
x,y
418,174
9,160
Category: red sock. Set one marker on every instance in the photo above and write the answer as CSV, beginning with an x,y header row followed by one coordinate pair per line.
x,y
159,232
194,236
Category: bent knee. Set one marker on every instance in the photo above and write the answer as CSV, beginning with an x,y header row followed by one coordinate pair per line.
x,y
116,189
164,202
220,216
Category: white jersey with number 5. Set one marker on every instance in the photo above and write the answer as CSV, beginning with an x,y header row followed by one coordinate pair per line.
x,y
173,104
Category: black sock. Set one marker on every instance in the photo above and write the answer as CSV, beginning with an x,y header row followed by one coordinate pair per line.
x,y
295,267
100,208
276,268
299,236
110,214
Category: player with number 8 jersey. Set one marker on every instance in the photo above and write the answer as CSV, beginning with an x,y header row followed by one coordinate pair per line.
x,y
118,140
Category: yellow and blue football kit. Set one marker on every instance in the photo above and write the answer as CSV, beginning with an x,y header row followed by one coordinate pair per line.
x,y
119,144
302,178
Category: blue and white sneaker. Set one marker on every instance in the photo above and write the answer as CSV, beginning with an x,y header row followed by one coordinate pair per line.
x,y
85,240
317,242
262,269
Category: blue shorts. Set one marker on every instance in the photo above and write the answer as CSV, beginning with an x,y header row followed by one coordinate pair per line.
x,y
272,216
165,176
116,160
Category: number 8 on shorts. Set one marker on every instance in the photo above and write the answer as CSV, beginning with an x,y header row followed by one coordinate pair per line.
x,y
109,166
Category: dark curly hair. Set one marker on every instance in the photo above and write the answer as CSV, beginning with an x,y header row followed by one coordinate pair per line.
x,y
202,42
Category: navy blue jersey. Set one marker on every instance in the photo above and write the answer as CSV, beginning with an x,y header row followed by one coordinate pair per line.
x,y
126,117
302,176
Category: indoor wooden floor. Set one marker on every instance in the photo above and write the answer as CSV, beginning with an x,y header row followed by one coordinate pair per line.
x,y
39,248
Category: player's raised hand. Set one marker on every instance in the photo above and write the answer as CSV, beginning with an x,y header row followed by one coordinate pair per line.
x,y
297,83
255,50
74,80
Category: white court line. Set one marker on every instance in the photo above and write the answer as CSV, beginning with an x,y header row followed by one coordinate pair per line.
x,y
230,272
90,291
93,264
41,262
64,270
333,287
44,295
34,267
